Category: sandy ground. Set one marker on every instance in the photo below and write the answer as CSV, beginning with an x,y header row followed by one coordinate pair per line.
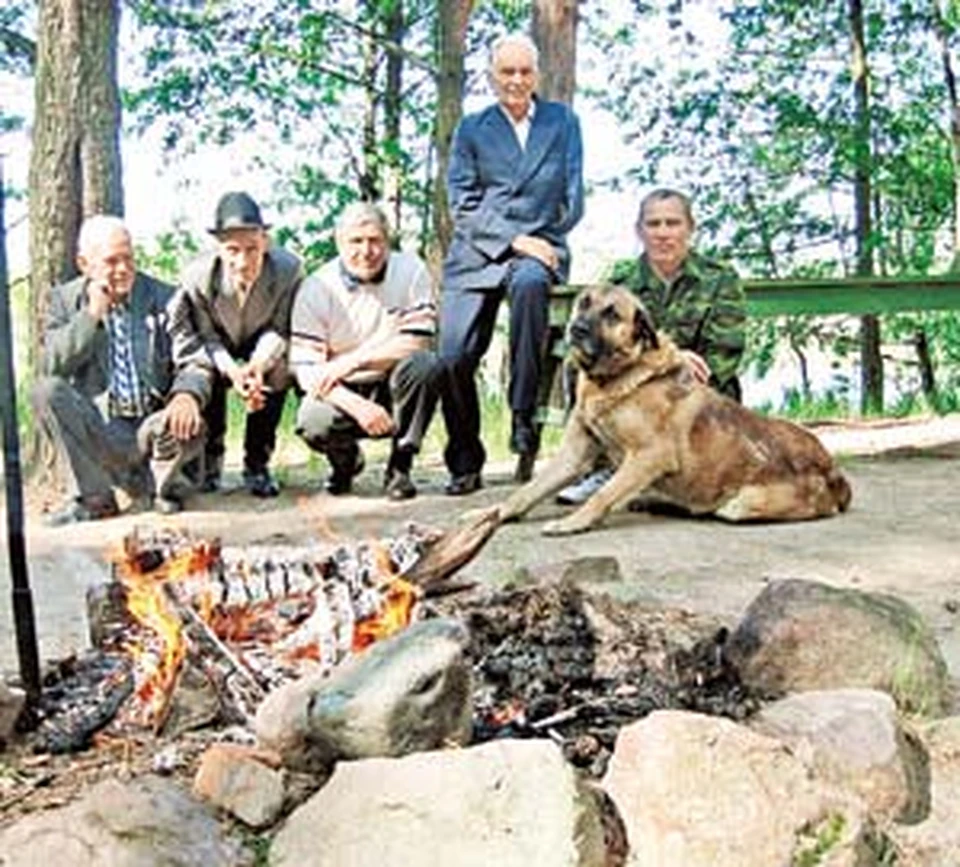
x,y
901,537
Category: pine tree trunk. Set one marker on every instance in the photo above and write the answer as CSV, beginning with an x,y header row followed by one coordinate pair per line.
x,y
75,159
452,22
555,33
395,27
871,362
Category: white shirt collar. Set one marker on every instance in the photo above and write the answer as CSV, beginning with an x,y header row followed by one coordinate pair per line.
x,y
522,127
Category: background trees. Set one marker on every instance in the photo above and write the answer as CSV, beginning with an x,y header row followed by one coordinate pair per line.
x,y
75,158
817,136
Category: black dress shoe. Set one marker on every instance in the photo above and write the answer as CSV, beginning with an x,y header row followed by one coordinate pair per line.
x,y
524,471
399,486
341,480
85,509
465,484
167,505
260,483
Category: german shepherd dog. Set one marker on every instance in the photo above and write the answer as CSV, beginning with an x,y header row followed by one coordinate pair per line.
x,y
670,435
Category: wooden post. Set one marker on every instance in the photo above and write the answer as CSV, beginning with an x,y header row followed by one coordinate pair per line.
x,y
22,598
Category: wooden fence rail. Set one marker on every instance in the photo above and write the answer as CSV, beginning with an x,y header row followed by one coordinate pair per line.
x,y
852,296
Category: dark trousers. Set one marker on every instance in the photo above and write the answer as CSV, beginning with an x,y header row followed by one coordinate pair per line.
x,y
260,436
466,329
408,393
97,452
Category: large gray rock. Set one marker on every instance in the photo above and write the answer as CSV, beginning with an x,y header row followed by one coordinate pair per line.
x,y
148,822
505,803
702,791
935,841
803,635
852,738
408,693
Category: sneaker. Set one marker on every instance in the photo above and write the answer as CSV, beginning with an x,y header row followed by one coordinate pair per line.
x,y
584,488
399,486
84,509
260,483
341,480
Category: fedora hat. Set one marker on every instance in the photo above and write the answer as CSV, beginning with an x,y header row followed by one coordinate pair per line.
x,y
237,211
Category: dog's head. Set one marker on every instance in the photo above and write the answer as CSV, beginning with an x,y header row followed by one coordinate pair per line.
x,y
608,330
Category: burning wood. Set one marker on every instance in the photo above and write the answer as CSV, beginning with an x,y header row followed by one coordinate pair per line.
x,y
258,616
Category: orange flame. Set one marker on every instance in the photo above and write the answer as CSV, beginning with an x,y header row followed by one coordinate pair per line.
x,y
158,666
399,600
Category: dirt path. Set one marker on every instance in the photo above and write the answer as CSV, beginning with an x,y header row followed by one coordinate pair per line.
x,y
901,536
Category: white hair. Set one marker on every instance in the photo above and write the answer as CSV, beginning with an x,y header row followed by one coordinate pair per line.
x,y
97,229
521,40
358,213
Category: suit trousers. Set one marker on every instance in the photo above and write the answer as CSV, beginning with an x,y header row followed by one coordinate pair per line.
x,y
260,433
409,393
99,453
466,329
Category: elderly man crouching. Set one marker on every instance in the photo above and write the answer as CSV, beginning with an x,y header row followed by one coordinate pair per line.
x,y
361,331
122,408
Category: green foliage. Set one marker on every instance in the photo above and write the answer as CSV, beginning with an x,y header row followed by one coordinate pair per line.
x,y
170,251
314,79
749,107
816,842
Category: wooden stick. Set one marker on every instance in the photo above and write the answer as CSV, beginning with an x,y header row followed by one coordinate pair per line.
x,y
196,623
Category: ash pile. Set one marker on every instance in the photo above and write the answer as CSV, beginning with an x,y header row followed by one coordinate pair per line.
x,y
557,661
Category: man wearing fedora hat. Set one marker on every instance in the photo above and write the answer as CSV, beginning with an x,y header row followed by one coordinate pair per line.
x,y
240,295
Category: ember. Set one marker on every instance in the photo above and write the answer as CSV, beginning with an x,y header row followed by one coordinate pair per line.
x,y
543,669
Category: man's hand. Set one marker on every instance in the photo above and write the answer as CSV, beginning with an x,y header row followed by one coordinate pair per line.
x,y
536,248
99,298
372,417
332,373
696,365
183,417
247,379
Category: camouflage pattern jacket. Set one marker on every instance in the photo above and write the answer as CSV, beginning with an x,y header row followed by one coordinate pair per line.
x,y
703,310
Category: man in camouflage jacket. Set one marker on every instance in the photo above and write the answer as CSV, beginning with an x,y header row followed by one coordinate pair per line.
x,y
699,302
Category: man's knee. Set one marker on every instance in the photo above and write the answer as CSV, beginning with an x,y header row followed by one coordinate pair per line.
x,y
529,280
315,421
420,368
50,394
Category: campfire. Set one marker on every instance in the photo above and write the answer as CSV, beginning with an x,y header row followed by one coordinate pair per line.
x,y
241,620
189,623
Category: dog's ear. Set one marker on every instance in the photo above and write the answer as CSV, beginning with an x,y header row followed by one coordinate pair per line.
x,y
644,329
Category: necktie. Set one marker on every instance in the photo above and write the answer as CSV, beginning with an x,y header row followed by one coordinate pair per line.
x,y
124,385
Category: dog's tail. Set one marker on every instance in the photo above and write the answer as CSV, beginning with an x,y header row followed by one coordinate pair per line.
x,y
839,488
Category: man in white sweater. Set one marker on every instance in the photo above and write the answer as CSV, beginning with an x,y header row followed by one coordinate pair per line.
x,y
362,330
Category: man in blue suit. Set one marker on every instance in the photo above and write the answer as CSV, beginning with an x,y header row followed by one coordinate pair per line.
x,y
515,186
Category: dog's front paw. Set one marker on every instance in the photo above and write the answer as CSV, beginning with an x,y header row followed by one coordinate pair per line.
x,y
564,527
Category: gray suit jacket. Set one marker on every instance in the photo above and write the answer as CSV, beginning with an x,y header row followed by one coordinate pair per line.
x,y
77,348
498,191
261,328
